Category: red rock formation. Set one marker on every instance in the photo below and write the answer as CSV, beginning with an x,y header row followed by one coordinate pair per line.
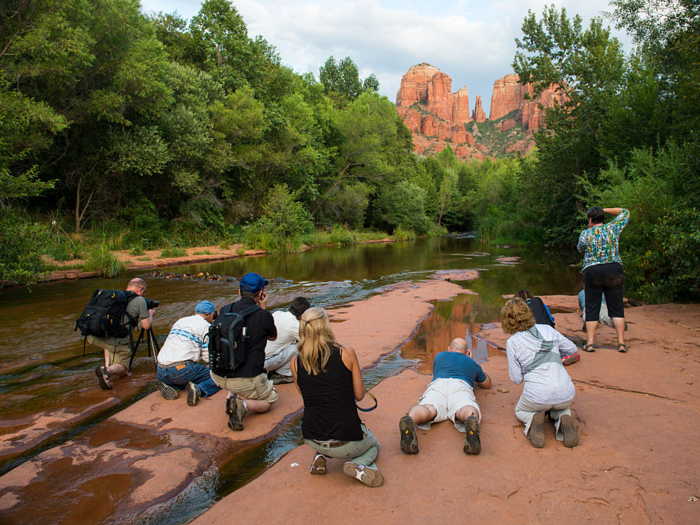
x,y
507,124
460,106
509,95
478,115
429,86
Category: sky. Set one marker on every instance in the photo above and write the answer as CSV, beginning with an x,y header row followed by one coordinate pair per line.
x,y
472,41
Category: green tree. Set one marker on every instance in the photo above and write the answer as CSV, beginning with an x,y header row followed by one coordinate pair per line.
x,y
342,80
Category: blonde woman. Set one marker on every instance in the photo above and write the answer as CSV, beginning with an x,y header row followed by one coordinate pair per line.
x,y
329,378
534,356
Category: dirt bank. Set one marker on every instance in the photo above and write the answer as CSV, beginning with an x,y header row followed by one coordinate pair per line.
x,y
151,259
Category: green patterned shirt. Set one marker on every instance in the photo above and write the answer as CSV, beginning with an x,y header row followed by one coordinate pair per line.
x,y
598,244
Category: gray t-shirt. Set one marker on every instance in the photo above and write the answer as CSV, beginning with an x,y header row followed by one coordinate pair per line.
x,y
138,310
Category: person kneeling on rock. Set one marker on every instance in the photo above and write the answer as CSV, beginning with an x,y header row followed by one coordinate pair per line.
x,y
449,395
178,360
535,356
329,379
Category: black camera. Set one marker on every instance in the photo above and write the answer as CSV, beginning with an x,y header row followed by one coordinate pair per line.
x,y
151,304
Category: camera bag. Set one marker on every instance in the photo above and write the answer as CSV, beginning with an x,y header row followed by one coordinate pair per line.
x,y
228,340
102,317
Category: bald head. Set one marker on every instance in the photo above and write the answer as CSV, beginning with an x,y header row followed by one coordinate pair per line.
x,y
458,345
137,285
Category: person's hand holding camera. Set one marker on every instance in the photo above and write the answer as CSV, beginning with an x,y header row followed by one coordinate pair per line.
x,y
262,300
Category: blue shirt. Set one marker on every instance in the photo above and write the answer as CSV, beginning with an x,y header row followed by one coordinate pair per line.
x,y
453,365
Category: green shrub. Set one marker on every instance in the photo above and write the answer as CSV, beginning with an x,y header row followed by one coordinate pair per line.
x,y
241,251
402,206
401,235
21,247
104,262
202,252
136,250
60,251
172,252
342,236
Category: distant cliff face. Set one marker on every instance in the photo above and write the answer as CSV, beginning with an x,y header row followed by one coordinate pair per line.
x,y
437,117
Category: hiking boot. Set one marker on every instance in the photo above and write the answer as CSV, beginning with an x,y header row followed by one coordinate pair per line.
x,y
409,435
194,394
566,425
472,444
236,414
103,378
369,476
536,433
318,465
279,379
167,391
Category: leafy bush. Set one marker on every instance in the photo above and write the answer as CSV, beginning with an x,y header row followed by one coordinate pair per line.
x,y
283,223
402,206
136,250
22,247
401,235
342,236
104,262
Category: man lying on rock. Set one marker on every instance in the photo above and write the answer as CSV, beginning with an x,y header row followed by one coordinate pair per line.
x,y
449,395
178,360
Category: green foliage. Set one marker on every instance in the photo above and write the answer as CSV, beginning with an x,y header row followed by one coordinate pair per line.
x,y
401,235
167,253
22,247
402,206
136,250
104,262
283,223
342,80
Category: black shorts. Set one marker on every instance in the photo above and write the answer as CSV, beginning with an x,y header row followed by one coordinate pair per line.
x,y
604,278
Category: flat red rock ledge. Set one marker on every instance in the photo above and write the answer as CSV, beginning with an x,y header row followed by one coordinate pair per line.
x,y
170,436
637,460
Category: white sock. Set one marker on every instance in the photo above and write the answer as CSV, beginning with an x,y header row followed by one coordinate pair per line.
x,y
245,406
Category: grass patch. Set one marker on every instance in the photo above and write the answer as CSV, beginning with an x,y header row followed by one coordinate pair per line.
x,y
167,253
144,259
241,251
104,262
202,252
401,235
136,250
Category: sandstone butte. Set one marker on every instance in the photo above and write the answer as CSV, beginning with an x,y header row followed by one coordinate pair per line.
x,y
636,413
441,115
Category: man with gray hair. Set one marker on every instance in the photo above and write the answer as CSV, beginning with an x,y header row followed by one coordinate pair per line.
x,y
449,396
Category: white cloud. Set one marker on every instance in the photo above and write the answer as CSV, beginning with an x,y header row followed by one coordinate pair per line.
x,y
470,40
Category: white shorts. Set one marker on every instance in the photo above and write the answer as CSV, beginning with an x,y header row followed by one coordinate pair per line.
x,y
448,396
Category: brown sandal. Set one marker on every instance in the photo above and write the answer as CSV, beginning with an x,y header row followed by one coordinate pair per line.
x,y
622,348
588,348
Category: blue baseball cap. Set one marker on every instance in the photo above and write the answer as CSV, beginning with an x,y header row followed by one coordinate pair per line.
x,y
205,307
252,282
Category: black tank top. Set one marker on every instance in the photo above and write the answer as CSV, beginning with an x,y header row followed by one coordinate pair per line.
x,y
329,403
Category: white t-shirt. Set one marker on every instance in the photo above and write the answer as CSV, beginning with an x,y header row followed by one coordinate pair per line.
x,y
188,340
287,332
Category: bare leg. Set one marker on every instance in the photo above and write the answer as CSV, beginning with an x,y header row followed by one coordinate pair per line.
x,y
591,327
619,324
422,413
256,405
115,370
466,411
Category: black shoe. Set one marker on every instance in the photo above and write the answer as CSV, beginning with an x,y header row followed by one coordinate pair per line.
x,y
103,377
167,391
409,435
472,444
194,394
536,433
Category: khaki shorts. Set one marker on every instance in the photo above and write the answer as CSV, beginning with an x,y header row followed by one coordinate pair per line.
x,y
259,387
119,355
448,396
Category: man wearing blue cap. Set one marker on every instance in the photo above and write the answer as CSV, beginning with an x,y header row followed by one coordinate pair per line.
x,y
178,360
248,385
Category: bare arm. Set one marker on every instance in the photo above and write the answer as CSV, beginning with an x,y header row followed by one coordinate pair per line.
x,y
294,365
612,211
351,362
146,322
487,383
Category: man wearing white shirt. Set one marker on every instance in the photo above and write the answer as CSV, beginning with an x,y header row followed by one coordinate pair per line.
x,y
280,352
178,360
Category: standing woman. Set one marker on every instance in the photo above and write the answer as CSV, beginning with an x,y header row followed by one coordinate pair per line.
x,y
329,378
534,356
602,271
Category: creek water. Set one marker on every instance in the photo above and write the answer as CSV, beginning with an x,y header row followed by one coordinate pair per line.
x,y
43,371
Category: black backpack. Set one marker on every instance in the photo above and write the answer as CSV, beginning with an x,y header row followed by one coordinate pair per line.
x,y
102,317
228,340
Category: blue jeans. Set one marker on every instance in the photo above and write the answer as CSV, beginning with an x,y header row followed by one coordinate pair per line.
x,y
178,375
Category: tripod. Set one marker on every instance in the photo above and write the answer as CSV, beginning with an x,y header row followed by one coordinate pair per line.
x,y
152,345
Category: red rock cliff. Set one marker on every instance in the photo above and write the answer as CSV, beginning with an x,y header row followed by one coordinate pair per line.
x,y
479,115
460,106
428,85
509,95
